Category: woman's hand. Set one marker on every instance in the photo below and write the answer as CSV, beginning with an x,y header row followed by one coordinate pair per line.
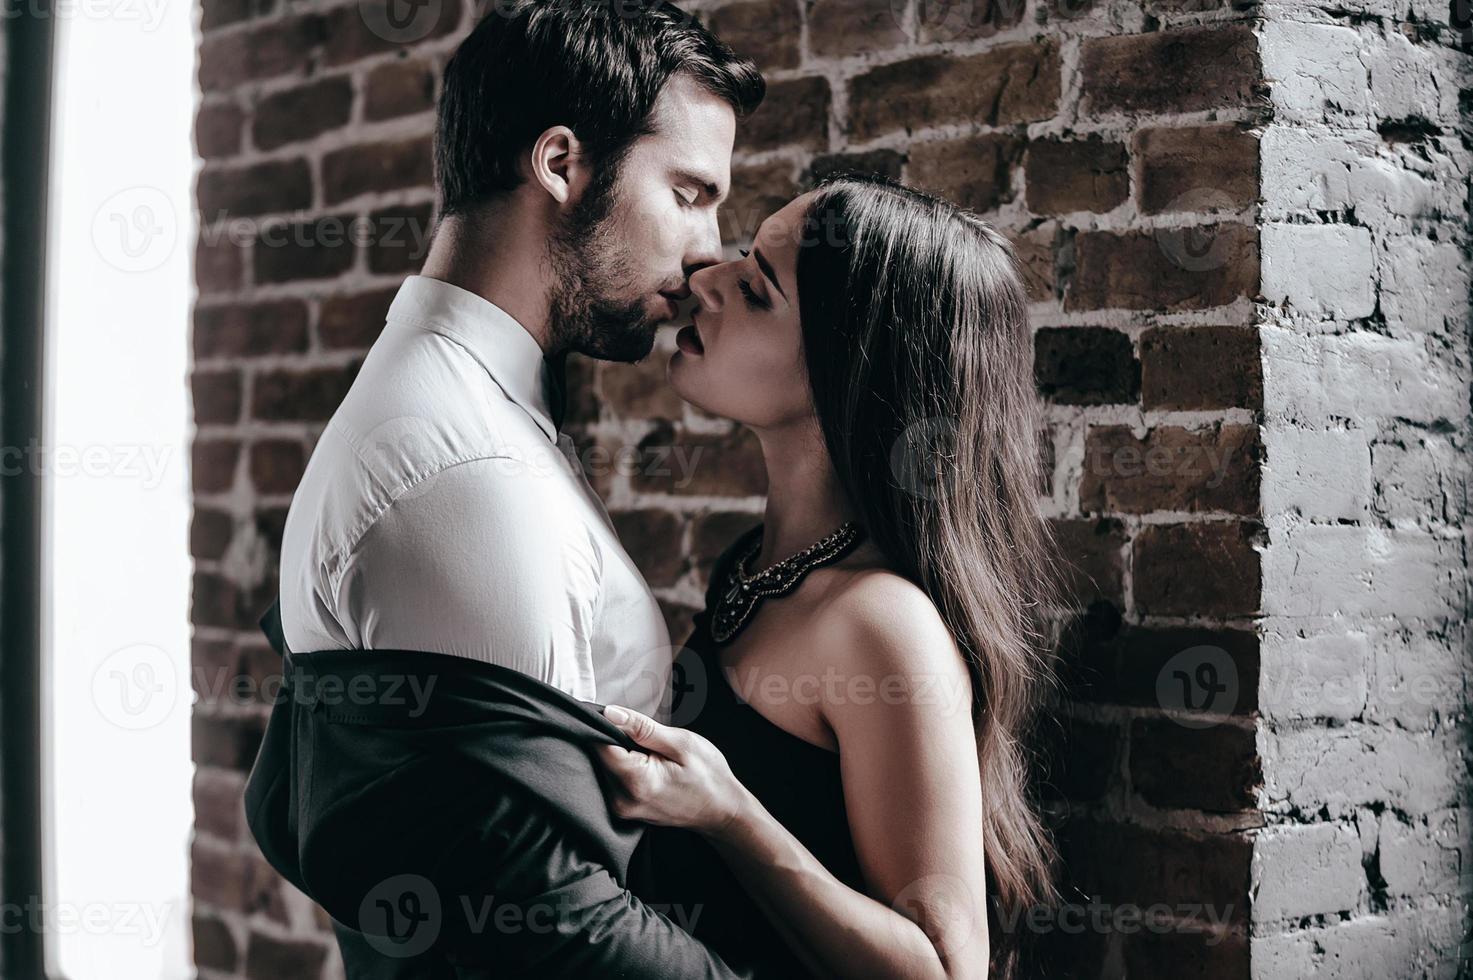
x,y
681,780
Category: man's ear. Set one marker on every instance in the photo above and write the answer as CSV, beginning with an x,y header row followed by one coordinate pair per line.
x,y
557,163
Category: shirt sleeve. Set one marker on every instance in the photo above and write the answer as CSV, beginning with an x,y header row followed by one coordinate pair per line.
x,y
471,563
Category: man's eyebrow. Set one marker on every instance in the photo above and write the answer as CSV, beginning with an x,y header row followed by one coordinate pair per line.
x,y
705,183
767,270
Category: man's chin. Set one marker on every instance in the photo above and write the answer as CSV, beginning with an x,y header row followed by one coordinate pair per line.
x,y
632,343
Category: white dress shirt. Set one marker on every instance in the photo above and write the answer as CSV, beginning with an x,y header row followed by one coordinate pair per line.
x,y
441,510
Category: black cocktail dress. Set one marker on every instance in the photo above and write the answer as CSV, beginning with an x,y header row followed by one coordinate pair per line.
x,y
798,782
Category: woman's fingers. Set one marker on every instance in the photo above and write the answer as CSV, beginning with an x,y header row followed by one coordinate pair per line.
x,y
648,733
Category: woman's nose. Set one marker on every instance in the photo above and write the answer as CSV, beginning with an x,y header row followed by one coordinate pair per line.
x,y
704,284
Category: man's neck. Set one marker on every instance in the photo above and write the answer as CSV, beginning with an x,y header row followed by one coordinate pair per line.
x,y
491,257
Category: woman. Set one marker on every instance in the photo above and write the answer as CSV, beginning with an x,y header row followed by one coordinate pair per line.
x,y
885,623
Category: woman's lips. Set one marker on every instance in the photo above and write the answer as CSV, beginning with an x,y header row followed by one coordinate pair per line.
x,y
689,340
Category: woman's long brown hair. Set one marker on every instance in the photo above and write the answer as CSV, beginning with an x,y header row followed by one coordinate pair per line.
x,y
919,355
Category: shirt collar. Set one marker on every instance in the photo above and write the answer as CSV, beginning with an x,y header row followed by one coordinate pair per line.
x,y
509,354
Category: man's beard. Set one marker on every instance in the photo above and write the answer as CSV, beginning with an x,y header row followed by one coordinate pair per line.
x,y
590,261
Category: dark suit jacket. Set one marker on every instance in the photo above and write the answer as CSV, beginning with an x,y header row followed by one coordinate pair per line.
x,y
449,815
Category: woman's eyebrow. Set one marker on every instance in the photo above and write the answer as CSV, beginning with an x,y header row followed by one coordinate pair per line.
x,y
767,270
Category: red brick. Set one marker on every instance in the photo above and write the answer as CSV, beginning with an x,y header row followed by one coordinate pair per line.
x,y
757,190
795,112
216,396
218,13
653,540
214,675
1066,10
263,188
271,958
887,162
354,321
583,406
976,172
215,601
302,113
1166,270
349,36
714,532
218,263
1198,368
838,28
306,396
1205,569
1005,85
700,463
1079,758
1108,663
217,130
1141,866
1173,766
1171,468
210,532
260,667
230,743
638,391
214,947
399,238
212,464
1092,557
1076,175
941,21
765,31
1037,254
217,876
1085,366
276,465
365,169
1046,461
1184,70
1186,954
398,88
270,525
264,895
250,329
1195,169
277,48
219,807
319,248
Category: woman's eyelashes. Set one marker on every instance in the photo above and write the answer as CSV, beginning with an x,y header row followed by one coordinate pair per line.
x,y
753,300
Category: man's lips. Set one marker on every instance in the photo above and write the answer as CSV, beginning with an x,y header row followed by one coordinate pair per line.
x,y
688,339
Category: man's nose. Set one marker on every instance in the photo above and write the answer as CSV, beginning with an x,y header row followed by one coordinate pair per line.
x,y
705,247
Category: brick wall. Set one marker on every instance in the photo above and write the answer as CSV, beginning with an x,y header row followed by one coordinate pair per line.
x,y
1244,246
1365,242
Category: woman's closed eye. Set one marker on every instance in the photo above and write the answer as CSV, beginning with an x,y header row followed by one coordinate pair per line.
x,y
745,287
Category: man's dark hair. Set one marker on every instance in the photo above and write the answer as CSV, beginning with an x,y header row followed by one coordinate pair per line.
x,y
595,66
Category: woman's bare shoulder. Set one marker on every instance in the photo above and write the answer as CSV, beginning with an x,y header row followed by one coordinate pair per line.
x,y
869,616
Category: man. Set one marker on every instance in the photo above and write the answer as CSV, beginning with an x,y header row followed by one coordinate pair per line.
x,y
581,152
